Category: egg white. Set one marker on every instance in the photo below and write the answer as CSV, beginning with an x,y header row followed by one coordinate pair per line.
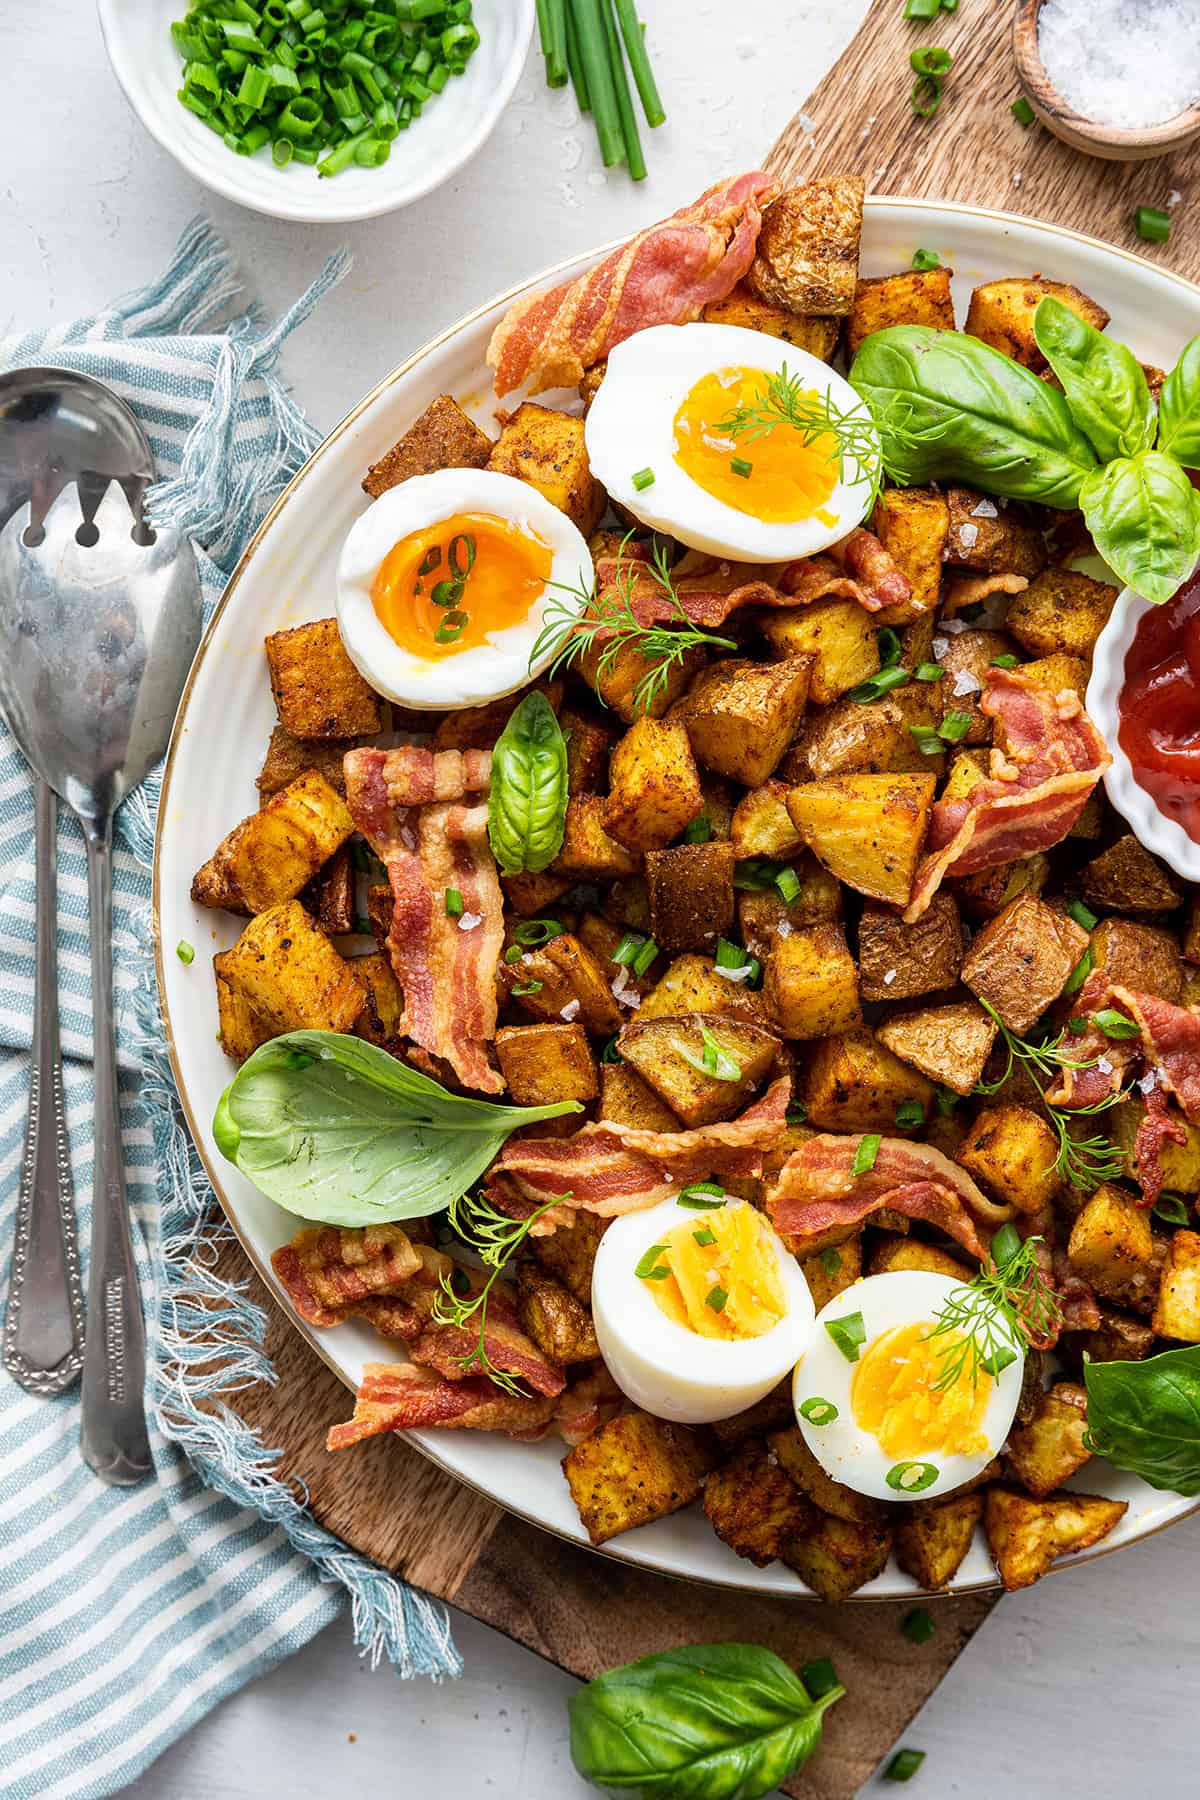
x,y
485,672
847,1452
673,1372
630,426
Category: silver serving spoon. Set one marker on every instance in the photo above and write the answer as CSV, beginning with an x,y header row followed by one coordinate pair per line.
x,y
99,620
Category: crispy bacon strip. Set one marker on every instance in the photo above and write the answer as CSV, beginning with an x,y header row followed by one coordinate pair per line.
x,y
665,275
707,589
591,1400
404,1397
1033,796
960,591
857,568
419,811
1156,1127
328,1270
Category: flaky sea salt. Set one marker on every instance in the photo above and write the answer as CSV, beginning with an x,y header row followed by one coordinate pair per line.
x,y
468,921
965,683
1129,63
1104,1065
954,626
569,1011
987,509
622,990
784,928
889,977
940,646
1149,1081
969,534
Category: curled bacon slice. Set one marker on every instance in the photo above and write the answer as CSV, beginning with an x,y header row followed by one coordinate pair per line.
x,y
421,813
817,1190
1033,796
328,1270
1156,1127
857,568
960,591
405,1397
666,275
707,588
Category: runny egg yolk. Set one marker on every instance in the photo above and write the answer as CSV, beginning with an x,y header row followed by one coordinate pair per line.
x,y
723,1279
449,586
895,1396
776,477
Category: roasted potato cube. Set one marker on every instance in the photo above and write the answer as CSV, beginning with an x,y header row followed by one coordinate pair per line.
x,y
1127,878
654,785
589,746
289,756
1021,959
1113,1248
543,1064
668,1054
950,1043
817,335
931,1541
852,1082
848,739
478,727
836,1558
985,895
993,539
912,297
693,983
379,1021
1180,1163
1119,1338
770,1413
318,691
529,894
890,1251
1061,612
1177,1309
765,918
291,975
620,683
633,1470
762,825
1049,1448
551,1315
333,894
901,962
967,658
838,634
274,853
1013,1152
807,256
831,1271
1058,674
625,1099
240,1029
830,1495
753,1506
691,895
911,524
1025,1535
1001,314
587,850
546,449
570,1251
810,987
1142,957
442,438
572,980
741,716
868,830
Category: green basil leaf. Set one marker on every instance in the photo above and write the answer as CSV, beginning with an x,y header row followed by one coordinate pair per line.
x,y
1144,517
336,1129
950,408
1104,383
1179,409
527,800
716,1722
1144,1417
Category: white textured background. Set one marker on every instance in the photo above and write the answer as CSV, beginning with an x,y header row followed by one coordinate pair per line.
x,y
1086,1683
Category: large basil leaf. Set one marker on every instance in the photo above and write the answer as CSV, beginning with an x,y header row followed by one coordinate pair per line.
x,y
1144,517
1179,409
949,408
335,1129
1104,383
1145,1417
527,801
717,1722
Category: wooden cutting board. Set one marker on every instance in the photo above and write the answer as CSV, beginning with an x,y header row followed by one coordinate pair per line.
x,y
583,1612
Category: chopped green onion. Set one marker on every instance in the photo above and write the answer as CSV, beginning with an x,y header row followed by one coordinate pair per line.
x,y
818,1411
1007,661
788,883
1114,1024
740,466
513,954
1152,224
633,31
634,157
1079,973
864,1156
643,479
716,1298
848,1333
649,1268
610,1053
918,1626
945,1099
904,1765
454,903
922,10
926,96
876,686
911,1477
1171,1209
887,642
703,1196
626,951
910,1113
997,1361
645,957
538,931
706,1235
736,960
954,727
819,1677
923,260
699,831
931,59
927,740
184,951
831,1262
797,1114
527,987
714,1060
1022,112
1004,1245
1082,915
1077,1023
930,671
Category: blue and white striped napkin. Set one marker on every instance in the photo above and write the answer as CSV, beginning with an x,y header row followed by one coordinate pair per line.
x,y
125,1614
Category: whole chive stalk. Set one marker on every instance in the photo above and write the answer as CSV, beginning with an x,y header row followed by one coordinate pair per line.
x,y
593,54
639,62
629,130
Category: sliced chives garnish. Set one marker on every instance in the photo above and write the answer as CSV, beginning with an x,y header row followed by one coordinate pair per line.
x,y
1004,1245
864,1156
831,1261
818,1411
527,987
454,903
904,1765
1151,223
848,1333
1079,973
1114,1024
513,954
627,949
643,479
1082,915
706,1235
538,931
1007,661
819,1677
699,831
997,1361
876,686
649,1268
610,1053
954,727
645,957
1022,112
716,1298
703,1196
911,1477
909,1113
788,884
928,672
926,739
921,9
184,951
741,467
887,642
931,59
1171,1209
797,1113
924,260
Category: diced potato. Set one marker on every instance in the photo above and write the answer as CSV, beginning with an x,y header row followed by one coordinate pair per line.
x,y
1090,823
603,938
625,1099
333,892
442,438
550,1314
291,975
1026,1535
1014,1153
546,1063
901,962
1112,1247
830,1495
1061,612
838,634
810,988
848,739
932,1541
589,384
529,894
852,1082
656,1048
589,745
770,1413
993,539
654,785
1142,957
765,918
1127,878
240,1028
807,255
868,830
911,524
478,727
691,895
620,682
836,1558
693,983
274,853
1001,313
1177,1311
1180,1163
813,333
627,903
741,716
719,802
968,657
985,895
318,691
570,1251
762,825
890,1251
1120,1337
587,849
831,1271
1049,1448
754,1506
1058,674
379,1021
1021,959
289,756
633,1470
546,449
572,979
949,1043
912,297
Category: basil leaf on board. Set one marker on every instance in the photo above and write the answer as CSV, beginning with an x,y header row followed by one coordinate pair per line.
x,y
1179,409
714,1722
337,1130
1104,383
1144,1417
949,408
1144,517
527,799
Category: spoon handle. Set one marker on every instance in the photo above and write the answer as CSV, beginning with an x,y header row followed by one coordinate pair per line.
x,y
113,1435
43,1323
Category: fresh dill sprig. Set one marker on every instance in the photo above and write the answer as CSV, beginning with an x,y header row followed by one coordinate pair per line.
x,y
579,618
495,1239
1007,1305
1084,1162
783,399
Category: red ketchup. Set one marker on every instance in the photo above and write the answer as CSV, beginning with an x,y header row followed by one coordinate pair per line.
x,y
1159,706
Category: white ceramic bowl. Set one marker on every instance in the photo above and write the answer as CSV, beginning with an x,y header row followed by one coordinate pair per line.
x,y
137,36
1159,834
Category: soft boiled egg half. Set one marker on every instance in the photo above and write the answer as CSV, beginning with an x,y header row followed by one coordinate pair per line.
x,y
890,1409
733,441
699,1308
445,584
